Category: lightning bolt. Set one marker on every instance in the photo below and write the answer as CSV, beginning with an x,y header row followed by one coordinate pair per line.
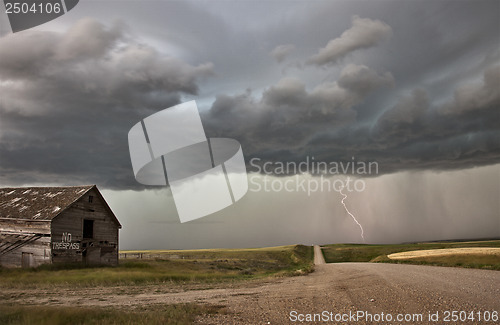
x,y
352,216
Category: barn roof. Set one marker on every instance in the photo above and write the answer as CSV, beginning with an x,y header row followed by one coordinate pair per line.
x,y
38,203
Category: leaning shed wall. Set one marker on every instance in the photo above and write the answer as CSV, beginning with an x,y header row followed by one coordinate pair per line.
x,y
24,243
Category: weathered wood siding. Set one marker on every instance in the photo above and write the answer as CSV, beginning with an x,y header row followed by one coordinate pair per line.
x,y
31,237
68,244
28,226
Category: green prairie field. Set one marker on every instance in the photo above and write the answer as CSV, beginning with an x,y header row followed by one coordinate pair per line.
x,y
193,266
339,253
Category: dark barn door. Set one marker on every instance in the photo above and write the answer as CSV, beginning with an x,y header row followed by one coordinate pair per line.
x,y
93,256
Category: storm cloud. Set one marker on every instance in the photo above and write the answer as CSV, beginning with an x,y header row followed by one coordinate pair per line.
x,y
410,85
280,52
69,99
288,116
364,33
408,98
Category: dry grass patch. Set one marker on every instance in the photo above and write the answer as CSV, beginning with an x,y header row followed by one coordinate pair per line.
x,y
466,251
179,314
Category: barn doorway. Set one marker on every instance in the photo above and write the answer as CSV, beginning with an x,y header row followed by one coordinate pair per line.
x,y
27,260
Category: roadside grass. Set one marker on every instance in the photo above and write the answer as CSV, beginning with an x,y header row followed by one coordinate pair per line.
x,y
338,253
178,314
203,266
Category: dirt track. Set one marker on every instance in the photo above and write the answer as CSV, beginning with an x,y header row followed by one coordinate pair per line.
x,y
319,259
337,288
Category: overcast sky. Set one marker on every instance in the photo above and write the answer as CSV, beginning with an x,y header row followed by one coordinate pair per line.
x,y
411,85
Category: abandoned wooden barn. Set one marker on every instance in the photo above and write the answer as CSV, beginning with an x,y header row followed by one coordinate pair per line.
x,y
41,225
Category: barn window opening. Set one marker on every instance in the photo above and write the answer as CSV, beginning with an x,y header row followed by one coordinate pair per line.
x,y
88,228
91,198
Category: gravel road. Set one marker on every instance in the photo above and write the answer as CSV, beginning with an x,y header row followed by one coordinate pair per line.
x,y
341,289
365,287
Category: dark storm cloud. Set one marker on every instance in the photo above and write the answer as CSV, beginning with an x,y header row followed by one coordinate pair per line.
x,y
412,85
364,33
90,56
69,99
423,128
288,115
280,52
473,111
441,113
476,96
288,123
